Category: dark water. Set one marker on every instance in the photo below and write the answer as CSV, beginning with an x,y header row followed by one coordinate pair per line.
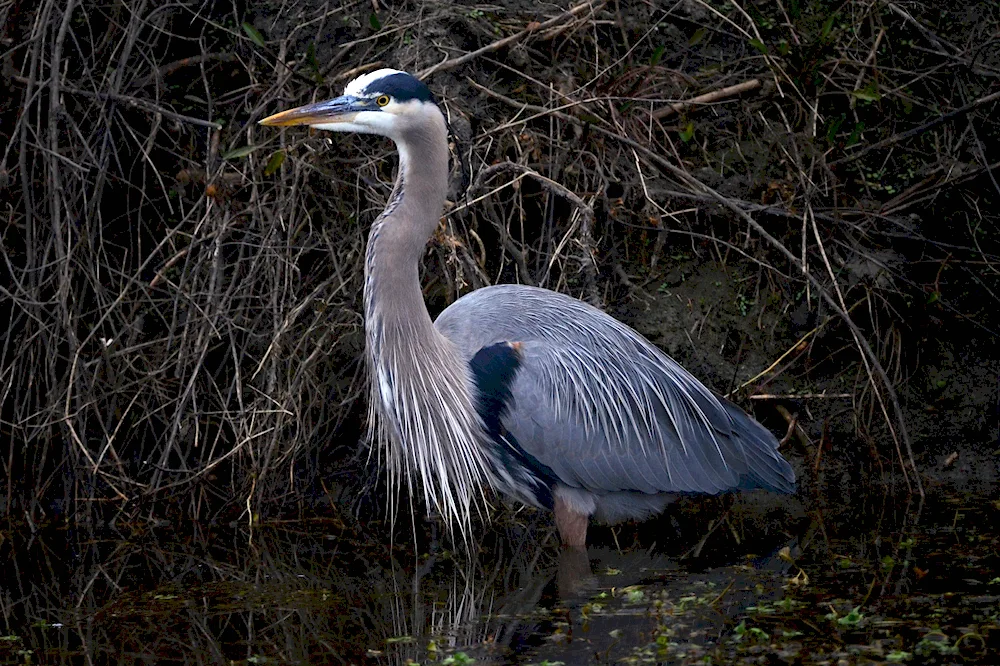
x,y
879,579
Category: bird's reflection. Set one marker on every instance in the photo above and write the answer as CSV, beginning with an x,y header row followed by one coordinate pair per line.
x,y
528,599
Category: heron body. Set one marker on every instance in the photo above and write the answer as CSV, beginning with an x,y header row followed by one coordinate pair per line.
x,y
524,390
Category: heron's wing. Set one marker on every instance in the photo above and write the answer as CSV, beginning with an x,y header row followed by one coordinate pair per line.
x,y
605,410
618,418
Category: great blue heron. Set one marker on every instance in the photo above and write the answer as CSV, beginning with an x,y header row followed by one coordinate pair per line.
x,y
525,390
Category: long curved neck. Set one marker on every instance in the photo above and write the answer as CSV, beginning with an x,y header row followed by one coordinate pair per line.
x,y
423,411
398,237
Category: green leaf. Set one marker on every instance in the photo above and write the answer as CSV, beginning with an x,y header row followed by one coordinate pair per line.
x,y
274,162
254,34
239,152
374,22
458,659
855,134
869,93
852,619
313,62
698,35
311,55
759,45
827,26
654,60
831,131
687,132
400,639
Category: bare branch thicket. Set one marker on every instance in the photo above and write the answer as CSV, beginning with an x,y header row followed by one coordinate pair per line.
x,y
182,289
164,341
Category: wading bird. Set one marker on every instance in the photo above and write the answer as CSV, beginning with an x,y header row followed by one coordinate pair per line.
x,y
524,390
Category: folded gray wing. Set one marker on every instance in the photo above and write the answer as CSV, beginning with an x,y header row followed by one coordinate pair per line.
x,y
607,411
613,419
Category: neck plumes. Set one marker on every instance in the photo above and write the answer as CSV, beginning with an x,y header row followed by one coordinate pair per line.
x,y
422,412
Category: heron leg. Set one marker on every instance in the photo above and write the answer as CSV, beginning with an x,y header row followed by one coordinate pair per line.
x,y
574,579
571,523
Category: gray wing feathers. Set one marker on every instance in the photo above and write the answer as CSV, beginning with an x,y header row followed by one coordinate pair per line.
x,y
765,468
605,409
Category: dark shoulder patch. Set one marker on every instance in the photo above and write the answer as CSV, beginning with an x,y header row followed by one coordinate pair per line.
x,y
402,87
494,368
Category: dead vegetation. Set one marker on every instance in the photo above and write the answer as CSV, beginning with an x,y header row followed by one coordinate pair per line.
x,y
182,287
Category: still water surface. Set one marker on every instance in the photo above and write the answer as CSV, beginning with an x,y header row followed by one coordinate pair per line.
x,y
880,579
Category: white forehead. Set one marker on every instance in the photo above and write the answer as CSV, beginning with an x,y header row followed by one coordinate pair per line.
x,y
356,87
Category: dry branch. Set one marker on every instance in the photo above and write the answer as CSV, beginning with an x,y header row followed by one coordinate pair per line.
x,y
585,238
533,27
707,98
134,102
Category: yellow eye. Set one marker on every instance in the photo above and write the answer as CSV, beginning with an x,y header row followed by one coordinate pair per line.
x,y
382,100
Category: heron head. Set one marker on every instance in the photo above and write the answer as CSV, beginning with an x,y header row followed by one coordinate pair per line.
x,y
386,102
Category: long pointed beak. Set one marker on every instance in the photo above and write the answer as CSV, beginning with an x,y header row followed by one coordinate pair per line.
x,y
338,110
